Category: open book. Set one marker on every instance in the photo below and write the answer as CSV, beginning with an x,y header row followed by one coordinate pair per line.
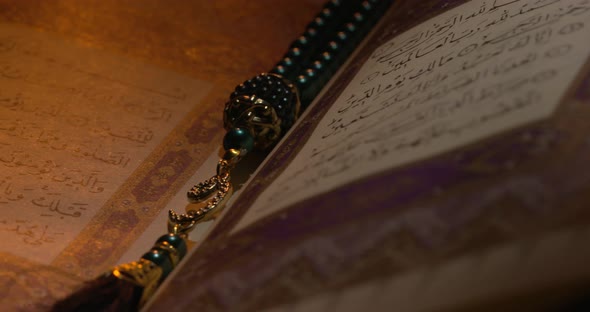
x,y
443,168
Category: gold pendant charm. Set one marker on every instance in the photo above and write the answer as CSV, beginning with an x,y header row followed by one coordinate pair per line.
x,y
214,192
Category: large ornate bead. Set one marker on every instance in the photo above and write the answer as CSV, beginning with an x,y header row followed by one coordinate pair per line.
x,y
266,106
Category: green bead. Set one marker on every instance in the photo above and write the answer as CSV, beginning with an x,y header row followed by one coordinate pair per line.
x,y
317,65
296,51
280,69
302,40
238,138
175,241
160,258
358,17
350,27
319,21
301,80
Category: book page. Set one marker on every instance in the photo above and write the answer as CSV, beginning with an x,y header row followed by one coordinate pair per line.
x,y
435,198
74,125
475,282
184,47
477,70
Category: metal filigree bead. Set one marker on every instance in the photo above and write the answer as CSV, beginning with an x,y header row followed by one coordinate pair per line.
x,y
266,106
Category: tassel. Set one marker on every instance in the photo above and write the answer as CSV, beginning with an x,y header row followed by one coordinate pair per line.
x,y
127,287
105,293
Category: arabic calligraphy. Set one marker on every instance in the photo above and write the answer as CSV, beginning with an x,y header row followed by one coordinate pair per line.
x,y
30,233
476,70
74,125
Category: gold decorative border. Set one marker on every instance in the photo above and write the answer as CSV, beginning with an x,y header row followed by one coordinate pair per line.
x,y
145,193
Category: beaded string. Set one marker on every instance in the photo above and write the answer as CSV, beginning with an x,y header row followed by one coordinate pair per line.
x,y
263,108
327,42
309,63
259,112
